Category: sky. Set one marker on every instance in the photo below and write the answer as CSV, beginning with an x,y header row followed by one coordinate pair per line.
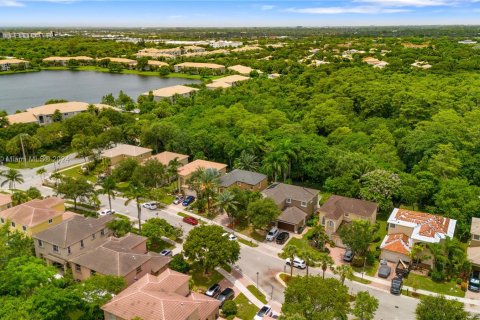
x,y
235,13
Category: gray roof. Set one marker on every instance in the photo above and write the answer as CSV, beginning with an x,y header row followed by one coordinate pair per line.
x,y
337,206
237,175
279,192
292,215
73,230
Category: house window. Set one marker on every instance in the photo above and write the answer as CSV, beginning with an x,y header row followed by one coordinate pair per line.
x,y
50,220
1,219
392,226
78,268
24,228
102,232
289,200
331,224
13,224
303,204
69,250
55,248
93,236
139,269
323,221
476,237
81,244
40,243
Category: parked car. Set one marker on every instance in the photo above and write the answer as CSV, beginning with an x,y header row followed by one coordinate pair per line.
x,y
297,263
106,212
397,284
282,237
266,310
190,220
384,271
230,236
188,200
226,294
474,281
178,199
150,205
272,234
166,253
348,256
213,291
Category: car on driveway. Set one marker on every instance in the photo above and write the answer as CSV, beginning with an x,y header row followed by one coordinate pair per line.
x,y
272,234
384,271
226,294
178,200
266,310
474,281
297,263
150,205
282,237
188,200
106,212
190,220
230,236
348,256
166,253
213,291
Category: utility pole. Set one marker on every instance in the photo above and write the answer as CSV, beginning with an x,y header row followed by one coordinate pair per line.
x,y
23,151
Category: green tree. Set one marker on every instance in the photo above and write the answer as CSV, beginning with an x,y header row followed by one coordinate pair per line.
x,y
446,162
440,308
246,161
227,204
365,306
357,236
11,176
344,271
318,235
107,186
154,229
207,246
164,71
379,186
135,193
13,244
205,182
229,308
310,257
290,252
76,189
316,298
178,263
120,227
41,172
124,170
262,212
57,116
51,303
325,262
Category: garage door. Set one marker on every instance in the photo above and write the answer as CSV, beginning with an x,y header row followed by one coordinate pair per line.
x,y
286,226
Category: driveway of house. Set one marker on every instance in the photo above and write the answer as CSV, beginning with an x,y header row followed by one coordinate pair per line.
x,y
337,255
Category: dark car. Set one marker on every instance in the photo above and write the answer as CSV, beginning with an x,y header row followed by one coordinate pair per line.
x,y
384,271
282,237
226,294
188,200
190,220
166,253
474,281
397,284
348,256
213,291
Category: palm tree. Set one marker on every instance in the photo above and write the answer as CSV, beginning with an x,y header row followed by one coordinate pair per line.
x,y
205,182
12,176
325,262
107,186
310,257
290,151
41,172
246,161
416,253
344,271
226,202
290,251
275,164
172,171
136,192
318,235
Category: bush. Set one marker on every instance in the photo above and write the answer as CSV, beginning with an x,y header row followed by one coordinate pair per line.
x,y
370,258
437,276
229,308
312,221
459,280
179,264
357,261
464,286
376,239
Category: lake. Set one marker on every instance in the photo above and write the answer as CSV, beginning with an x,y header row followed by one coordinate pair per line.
x,y
24,90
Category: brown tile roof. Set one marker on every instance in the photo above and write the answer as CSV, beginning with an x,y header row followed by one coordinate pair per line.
x,y
397,242
166,156
292,215
197,164
337,206
279,192
5,199
160,298
33,212
125,149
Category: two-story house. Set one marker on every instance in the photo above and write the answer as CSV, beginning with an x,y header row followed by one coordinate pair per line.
x,y
125,257
70,238
297,203
247,180
166,157
34,216
338,210
163,297
185,172
123,151
473,250
406,228
5,201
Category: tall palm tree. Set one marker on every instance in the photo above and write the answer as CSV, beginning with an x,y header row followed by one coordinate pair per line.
x,y
246,161
290,251
290,150
41,172
135,193
344,271
226,202
318,235
325,262
310,257
172,171
205,182
11,176
107,186
275,163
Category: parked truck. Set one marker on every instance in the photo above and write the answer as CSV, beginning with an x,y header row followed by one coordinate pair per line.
x,y
402,269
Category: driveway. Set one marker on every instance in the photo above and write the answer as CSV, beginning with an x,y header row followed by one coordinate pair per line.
x,y
337,255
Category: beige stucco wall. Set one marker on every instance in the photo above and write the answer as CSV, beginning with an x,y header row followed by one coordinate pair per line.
x,y
400,229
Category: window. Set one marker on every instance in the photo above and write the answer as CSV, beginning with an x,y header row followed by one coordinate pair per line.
x,y
139,269
78,267
81,244
93,272
1,219
392,226
303,204
24,228
69,250
331,224
50,220
323,221
93,236
13,224
55,248
476,237
289,200
102,232
40,243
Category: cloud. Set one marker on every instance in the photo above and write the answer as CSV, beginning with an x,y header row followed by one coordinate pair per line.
x,y
267,7
342,10
11,3
409,3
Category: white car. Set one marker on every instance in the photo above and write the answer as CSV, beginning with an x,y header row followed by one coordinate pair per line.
x,y
265,311
150,205
106,212
297,263
230,236
272,234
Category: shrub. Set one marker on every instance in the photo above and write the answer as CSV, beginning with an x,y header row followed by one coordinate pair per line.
x,y
459,281
312,221
370,258
179,264
463,286
376,239
357,261
229,308
437,276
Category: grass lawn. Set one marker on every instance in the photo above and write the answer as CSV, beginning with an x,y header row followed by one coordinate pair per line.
x,y
285,277
425,283
246,309
160,245
359,279
202,281
260,296
249,232
28,165
76,172
369,270
247,242
301,244
86,213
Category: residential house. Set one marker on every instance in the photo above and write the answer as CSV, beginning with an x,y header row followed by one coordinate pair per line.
x,y
195,67
339,210
297,203
247,180
406,228
70,238
127,63
166,157
224,44
205,53
123,151
218,85
185,172
467,42
6,64
63,61
169,53
44,114
35,215
193,49
125,257
243,70
375,62
155,64
473,250
5,201
163,297
231,80
171,92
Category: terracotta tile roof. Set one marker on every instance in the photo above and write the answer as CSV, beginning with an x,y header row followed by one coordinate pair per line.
x,y
33,212
161,298
166,156
157,63
191,167
125,149
397,242
218,85
5,199
337,206
242,69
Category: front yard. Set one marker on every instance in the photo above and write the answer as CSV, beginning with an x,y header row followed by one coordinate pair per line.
x,y
246,309
200,280
422,282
